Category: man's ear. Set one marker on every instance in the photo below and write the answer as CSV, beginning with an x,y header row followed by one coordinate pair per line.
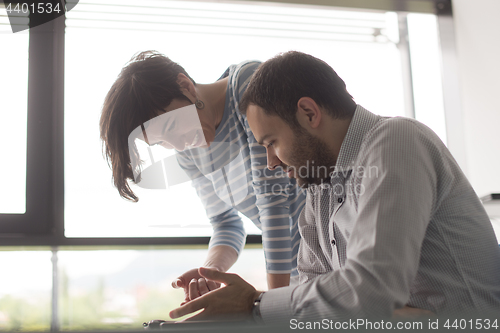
x,y
308,113
187,87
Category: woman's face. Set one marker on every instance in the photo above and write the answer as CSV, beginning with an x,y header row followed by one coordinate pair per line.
x,y
181,127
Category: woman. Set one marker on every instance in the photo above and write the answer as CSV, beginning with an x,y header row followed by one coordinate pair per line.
x,y
226,164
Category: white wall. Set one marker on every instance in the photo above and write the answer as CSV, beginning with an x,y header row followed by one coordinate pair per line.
x,y
477,28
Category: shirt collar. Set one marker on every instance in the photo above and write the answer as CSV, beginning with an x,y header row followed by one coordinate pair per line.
x,y
362,121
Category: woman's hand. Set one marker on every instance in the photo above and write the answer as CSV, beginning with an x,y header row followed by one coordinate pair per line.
x,y
219,258
194,285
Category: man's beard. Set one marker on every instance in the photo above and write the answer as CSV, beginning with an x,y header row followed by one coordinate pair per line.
x,y
311,159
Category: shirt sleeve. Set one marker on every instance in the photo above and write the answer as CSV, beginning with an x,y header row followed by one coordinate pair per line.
x,y
271,189
383,253
227,224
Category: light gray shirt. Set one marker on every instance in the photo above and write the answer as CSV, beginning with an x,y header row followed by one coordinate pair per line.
x,y
398,224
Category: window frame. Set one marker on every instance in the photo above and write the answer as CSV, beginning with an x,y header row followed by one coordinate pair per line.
x,y
41,164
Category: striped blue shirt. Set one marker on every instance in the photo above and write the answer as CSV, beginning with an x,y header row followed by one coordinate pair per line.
x,y
231,176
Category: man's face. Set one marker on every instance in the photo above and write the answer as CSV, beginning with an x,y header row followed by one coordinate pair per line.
x,y
302,155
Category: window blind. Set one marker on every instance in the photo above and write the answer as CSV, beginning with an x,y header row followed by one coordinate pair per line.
x,y
244,19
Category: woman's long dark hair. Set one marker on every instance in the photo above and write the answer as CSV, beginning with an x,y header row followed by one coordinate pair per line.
x,y
142,91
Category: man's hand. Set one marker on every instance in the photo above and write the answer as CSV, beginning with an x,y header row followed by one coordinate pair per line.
x,y
194,285
234,301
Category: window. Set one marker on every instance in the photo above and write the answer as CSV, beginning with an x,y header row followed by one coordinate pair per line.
x,y
13,115
25,290
205,38
101,289
35,133
427,84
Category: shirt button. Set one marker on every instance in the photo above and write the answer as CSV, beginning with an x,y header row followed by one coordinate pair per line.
x,y
339,200
333,242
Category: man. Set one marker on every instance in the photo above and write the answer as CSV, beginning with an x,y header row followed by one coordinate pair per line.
x,y
390,219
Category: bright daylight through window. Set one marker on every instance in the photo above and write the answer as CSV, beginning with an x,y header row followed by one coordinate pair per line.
x,y
13,115
205,38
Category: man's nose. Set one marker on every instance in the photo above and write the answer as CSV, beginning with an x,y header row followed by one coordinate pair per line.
x,y
272,159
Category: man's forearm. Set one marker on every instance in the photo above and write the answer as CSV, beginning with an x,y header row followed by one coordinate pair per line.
x,y
221,257
277,280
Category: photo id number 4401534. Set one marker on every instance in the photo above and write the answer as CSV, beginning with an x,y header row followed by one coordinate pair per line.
x,y
40,8
471,324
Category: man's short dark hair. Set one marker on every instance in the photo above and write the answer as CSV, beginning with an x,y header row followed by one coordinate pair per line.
x,y
280,82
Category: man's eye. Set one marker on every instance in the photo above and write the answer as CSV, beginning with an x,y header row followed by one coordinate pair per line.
x,y
270,144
